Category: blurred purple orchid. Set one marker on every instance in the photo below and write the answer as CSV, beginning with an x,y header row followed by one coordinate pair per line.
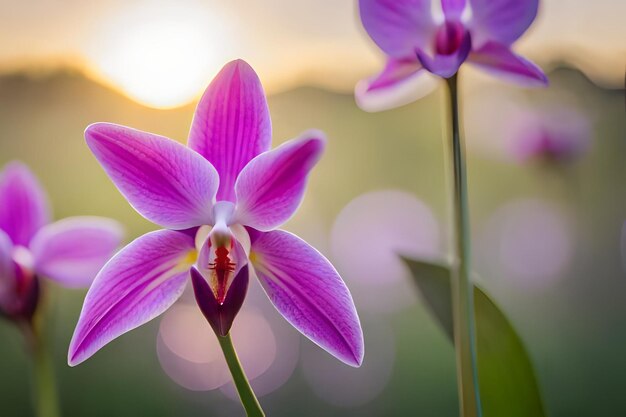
x,y
416,40
220,201
69,251
555,135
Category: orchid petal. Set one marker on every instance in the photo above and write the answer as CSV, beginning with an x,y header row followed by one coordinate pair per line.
x,y
73,250
453,9
398,26
447,65
503,21
23,204
307,290
396,71
163,180
232,123
500,60
396,86
139,283
271,187
220,316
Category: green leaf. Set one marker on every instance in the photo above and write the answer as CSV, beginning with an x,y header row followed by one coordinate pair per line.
x,y
507,380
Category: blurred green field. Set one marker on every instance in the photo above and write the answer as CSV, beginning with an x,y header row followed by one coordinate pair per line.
x,y
574,331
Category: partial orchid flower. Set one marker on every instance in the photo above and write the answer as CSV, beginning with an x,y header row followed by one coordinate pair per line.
x,y
418,40
70,252
220,201
555,135
553,132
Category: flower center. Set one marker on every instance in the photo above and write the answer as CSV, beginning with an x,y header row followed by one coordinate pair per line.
x,y
220,257
222,250
222,268
449,38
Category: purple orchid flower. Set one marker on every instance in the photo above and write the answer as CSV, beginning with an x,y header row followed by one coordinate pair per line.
x,y
416,40
220,200
69,251
555,135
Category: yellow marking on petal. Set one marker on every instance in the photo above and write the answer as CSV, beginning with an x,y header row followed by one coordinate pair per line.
x,y
189,259
254,257
170,269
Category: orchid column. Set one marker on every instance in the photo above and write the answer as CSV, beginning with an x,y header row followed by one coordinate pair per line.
x,y
417,40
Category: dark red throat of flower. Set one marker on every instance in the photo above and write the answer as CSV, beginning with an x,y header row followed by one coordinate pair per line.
x,y
222,268
449,38
25,295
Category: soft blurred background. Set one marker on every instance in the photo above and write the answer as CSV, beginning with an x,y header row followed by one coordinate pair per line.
x,y
546,172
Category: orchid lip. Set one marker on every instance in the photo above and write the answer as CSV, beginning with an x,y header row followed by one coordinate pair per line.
x,y
220,315
25,299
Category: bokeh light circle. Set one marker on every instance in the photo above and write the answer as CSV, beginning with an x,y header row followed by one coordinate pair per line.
x,y
530,242
287,349
344,386
190,354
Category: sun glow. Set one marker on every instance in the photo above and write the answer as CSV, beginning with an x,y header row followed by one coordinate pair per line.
x,y
159,54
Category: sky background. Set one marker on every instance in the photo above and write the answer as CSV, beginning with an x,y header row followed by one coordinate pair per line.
x,y
163,52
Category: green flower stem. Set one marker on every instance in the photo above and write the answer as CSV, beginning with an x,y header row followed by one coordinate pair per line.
x,y
462,288
246,395
46,400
